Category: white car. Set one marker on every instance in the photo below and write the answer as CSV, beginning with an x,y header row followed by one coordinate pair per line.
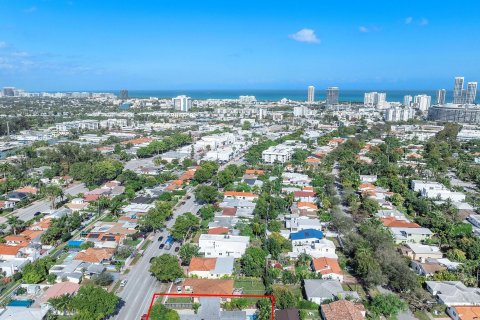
x,y
123,283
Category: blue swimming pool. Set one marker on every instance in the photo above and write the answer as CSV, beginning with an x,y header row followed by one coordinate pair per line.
x,y
75,243
20,303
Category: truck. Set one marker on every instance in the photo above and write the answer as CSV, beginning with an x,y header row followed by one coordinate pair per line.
x,y
168,242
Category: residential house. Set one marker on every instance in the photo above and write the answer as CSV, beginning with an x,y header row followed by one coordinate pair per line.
x,y
421,252
252,180
9,267
211,268
10,252
328,268
342,310
213,245
16,196
319,290
393,222
240,195
29,190
427,268
77,204
219,230
16,313
95,255
304,209
208,286
7,204
287,314
305,196
322,248
410,235
464,312
306,236
454,293
296,179
257,172
70,270
58,290
368,178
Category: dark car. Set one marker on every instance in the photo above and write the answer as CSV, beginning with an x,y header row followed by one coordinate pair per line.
x,y
37,213
161,246
177,249
160,238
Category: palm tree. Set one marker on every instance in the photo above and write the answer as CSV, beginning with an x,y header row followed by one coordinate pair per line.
x,y
53,192
14,222
115,206
5,169
61,304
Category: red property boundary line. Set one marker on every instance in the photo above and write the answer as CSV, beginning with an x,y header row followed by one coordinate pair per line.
x,y
271,297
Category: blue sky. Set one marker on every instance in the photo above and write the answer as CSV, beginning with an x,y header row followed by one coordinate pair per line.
x,y
230,44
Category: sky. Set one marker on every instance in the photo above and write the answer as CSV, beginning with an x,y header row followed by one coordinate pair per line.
x,y
237,44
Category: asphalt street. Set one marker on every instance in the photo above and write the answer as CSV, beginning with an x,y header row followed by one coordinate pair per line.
x,y
141,285
28,212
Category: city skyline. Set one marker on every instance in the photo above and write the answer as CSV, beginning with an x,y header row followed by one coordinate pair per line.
x,y
68,45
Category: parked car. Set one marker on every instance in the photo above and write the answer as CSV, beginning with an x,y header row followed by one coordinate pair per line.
x,y
37,213
160,238
177,249
123,283
144,317
161,246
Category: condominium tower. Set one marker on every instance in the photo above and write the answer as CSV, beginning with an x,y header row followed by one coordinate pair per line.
x,y
333,94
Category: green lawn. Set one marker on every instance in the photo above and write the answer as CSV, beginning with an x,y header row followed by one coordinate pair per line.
x,y
132,243
420,315
179,300
110,218
145,244
250,286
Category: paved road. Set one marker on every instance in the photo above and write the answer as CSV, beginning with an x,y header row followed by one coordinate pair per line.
x,y
137,163
75,189
468,186
140,287
28,212
336,174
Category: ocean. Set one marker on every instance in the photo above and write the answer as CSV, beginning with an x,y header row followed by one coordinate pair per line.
x,y
276,95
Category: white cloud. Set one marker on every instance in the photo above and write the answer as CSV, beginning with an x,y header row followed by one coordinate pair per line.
x,y
30,10
3,44
420,22
369,29
305,35
363,29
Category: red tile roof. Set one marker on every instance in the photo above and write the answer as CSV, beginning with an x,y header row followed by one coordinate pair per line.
x,y
202,264
228,211
238,194
218,230
392,222
326,266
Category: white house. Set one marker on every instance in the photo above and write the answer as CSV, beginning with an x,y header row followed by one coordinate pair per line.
x,y
321,248
410,235
214,245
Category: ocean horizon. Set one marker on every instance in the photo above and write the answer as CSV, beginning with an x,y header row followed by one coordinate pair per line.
x,y
276,95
